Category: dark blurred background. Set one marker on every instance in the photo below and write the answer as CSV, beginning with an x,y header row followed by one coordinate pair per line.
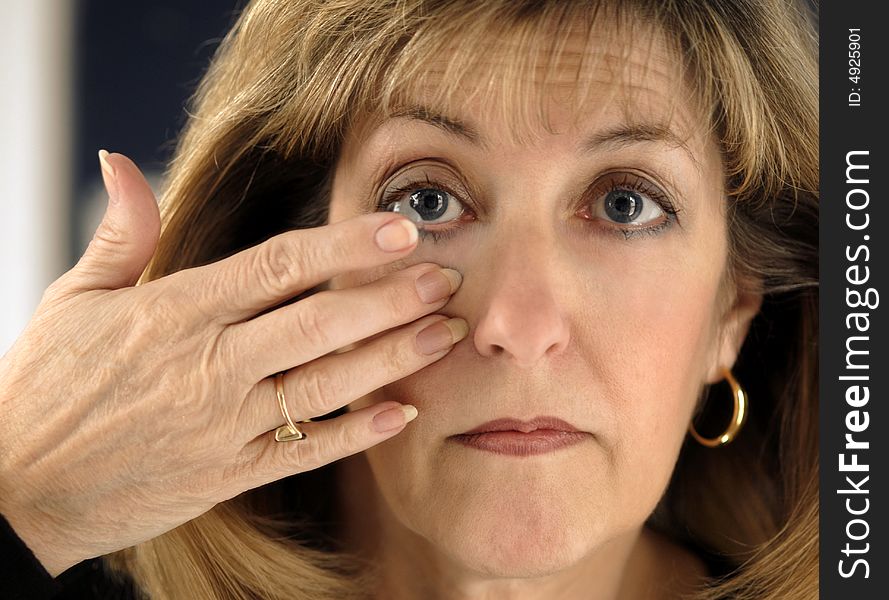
x,y
135,64
87,74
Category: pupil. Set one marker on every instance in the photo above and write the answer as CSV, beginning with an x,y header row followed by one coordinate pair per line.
x,y
623,206
429,203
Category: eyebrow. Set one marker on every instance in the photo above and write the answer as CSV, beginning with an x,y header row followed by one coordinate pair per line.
x,y
450,125
618,137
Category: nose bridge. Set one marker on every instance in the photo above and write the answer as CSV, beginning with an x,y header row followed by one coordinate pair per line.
x,y
522,314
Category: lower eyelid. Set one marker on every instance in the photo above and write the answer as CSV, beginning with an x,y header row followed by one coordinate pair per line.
x,y
631,231
652,230
437,235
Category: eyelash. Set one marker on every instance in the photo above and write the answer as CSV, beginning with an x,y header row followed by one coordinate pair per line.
x,y
637,184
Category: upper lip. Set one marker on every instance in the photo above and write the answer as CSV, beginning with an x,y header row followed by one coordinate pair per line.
x,y
510,424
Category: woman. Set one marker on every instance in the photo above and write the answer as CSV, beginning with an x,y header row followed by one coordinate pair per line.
x,y
627,205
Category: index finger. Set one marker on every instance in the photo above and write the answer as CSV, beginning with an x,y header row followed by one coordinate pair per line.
x,y
287,264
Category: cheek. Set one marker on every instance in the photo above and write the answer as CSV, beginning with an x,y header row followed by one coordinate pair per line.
x,y
653,332
649,341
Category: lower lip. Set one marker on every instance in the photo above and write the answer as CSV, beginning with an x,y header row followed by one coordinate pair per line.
x,y
516,443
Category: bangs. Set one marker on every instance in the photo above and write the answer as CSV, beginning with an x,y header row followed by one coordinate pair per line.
x,y
333,65
510,59
507,58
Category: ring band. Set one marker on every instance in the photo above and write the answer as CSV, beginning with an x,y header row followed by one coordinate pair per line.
x,y
289,432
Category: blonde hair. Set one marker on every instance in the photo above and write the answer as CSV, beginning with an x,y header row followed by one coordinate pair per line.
x,y
256,158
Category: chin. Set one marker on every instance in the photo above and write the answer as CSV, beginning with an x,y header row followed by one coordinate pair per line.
x,y
520,555
529,538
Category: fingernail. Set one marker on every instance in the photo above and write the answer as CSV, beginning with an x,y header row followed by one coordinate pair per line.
x,y
438,284
394,418
442,335
396,235
108,176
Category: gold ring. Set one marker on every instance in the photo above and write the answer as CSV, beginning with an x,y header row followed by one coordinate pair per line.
x,y
289,432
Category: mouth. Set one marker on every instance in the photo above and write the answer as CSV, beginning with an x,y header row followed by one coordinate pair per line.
x,y
514,437
510,424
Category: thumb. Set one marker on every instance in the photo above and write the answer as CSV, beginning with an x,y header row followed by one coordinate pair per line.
x,y
127,237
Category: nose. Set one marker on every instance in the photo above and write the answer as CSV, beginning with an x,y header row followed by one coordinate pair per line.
x,y
521,318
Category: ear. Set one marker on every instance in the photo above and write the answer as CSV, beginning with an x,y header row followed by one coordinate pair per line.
x,y
733,326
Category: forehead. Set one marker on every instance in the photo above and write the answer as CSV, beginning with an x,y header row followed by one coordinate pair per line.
x,y
521,84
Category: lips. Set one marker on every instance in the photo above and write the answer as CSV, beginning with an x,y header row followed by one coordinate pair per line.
x,y
514,437
510,424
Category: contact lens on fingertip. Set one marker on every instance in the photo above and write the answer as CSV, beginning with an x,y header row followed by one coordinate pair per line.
x,y
411,214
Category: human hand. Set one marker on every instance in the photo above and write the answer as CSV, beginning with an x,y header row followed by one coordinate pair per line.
x,y
127,410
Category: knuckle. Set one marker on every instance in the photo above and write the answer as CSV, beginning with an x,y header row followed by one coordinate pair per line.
x,y
396,354
152,322
162,308
348,439
108,238
279,267
51,292
225,353
306,455
393,298
341,247
320,449
155,325
312,324
61,288
313,389
342,440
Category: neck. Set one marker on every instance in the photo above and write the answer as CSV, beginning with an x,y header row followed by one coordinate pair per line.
x,y
639,563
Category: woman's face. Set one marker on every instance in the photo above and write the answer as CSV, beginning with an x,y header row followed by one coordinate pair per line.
x,y
586,300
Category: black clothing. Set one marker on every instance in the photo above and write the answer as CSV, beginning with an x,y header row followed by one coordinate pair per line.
x,y
22,576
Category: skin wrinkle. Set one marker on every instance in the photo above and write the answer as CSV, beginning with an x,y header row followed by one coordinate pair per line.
x,y
387,143
615,138
616,336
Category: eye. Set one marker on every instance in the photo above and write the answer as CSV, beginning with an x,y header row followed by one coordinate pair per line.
x,y
631,203
424,205
424,202
628,206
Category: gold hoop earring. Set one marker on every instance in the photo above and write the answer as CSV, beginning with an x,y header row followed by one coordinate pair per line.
x,y
739,416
